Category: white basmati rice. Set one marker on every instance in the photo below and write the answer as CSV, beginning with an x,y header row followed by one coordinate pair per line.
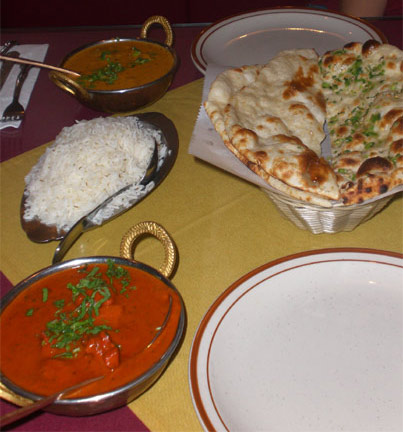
x,y
87,163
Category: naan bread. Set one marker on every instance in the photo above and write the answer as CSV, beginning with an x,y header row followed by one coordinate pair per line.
x,y
362,84
272,117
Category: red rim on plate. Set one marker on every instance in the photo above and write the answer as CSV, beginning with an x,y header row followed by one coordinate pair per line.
x,y
201,378
198,49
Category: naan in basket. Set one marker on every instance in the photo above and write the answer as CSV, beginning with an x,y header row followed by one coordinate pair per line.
x,y
272,118
362,85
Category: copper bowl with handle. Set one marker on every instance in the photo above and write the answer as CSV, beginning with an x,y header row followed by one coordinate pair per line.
x,y
128,99
134,387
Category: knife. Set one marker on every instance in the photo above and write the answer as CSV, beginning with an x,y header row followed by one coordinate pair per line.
x,y
6,68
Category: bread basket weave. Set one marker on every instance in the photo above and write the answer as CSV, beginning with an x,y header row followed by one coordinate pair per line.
x,y
330,220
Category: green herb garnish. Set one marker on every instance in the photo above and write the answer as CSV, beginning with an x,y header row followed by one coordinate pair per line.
x,y
78,320
45,294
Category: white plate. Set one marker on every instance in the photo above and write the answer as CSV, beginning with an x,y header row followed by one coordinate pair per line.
x,y
311,342
257,36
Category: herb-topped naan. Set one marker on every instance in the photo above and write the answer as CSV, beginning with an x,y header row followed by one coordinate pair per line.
x,y
272,117
362,84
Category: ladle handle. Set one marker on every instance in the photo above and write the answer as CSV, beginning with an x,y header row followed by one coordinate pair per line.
x,y
158,19
37,64
29,407
128,242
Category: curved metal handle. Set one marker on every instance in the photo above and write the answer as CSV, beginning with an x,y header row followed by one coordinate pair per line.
x,y
158,19
68,84
152,228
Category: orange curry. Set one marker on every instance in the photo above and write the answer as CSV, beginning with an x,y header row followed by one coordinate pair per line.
x,y
120,65
83,323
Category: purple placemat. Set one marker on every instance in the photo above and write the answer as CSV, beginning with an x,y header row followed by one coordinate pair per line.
x,y
121,419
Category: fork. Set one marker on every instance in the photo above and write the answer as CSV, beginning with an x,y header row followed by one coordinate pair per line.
x,y
7,46
15,111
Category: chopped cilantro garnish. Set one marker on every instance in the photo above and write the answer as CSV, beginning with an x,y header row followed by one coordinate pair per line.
x,y
91,292
45,294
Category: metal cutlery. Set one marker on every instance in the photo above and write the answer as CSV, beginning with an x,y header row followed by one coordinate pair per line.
x,y
42,403
37,64
7,66
7,46
15,111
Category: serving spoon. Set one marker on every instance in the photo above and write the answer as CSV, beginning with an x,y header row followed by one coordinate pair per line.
x,y
22,412
87,221
37,64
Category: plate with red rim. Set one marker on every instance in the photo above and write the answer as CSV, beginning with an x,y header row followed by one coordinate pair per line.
x,y
255,37
311,341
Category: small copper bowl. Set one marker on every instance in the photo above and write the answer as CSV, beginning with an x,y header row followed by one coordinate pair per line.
x,y
124,394
126,100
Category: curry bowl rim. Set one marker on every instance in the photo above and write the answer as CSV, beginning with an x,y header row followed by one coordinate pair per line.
x,y
133,383
117,40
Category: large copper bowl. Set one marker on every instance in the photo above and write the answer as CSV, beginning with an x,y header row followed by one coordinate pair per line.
x,y
126,100
124,394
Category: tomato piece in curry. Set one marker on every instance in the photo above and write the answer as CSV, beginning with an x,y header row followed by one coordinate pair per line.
x,y
86,322
120,65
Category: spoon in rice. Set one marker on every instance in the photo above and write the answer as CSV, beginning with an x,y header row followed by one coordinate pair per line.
x,y
87,221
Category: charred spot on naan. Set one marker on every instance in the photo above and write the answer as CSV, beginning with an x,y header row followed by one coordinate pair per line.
x,y
299,83
317,170
341,131
301,109
350,161
369,46
391,117
242,137
396,148
364,188
397,127
374,165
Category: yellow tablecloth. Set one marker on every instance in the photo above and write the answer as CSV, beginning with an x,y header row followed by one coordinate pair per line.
x,y
223,227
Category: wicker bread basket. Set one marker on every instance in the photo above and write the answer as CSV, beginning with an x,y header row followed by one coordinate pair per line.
x,y
329,220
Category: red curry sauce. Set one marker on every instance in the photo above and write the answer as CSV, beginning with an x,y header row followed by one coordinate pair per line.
x,y
130,310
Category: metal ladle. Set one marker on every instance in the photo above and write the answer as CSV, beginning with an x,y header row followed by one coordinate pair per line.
x,y
22,412
37,64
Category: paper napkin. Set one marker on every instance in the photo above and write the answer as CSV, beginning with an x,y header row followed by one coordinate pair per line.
x,y
31,52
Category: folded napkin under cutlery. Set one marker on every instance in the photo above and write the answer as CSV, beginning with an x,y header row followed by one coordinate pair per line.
x,y
32,52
